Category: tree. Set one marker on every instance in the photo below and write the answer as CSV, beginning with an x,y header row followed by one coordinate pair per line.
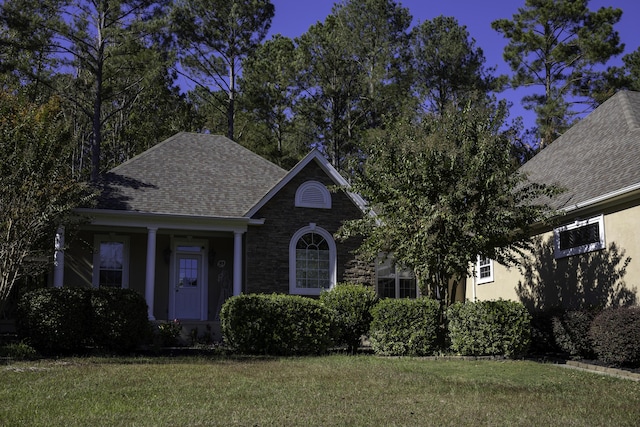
x,y
37,190
448,67
444,192
101,42
269,91
351,74
214,36
556,44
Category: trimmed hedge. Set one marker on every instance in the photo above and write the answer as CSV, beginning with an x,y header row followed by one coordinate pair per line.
x,y
351,305
405,327
55,320
571,332
276,324
615,334
68,320
488,328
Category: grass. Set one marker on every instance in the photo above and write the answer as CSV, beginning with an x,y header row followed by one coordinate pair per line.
x,y
317,391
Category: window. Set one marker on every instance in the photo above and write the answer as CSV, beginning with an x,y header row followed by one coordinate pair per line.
x,y
484,270
393,281
579,237
111,262
313,194
312,261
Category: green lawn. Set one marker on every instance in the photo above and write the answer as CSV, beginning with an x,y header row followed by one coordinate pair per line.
x,y
322,391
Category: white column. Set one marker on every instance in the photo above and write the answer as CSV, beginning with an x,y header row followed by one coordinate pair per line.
x,y
237,263
58,258
151,270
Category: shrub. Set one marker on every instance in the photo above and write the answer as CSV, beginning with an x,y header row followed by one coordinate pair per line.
x,y
18,351
615,334
169,332
542,339
571,332
405,327
54,320
489,328
66,320
276,325
351,305
120,319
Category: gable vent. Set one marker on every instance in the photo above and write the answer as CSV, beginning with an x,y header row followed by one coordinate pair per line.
x,y
313,194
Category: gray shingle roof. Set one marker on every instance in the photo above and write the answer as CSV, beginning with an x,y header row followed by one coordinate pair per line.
x,y
597,156
191,174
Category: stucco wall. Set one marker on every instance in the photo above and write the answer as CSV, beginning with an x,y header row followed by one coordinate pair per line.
x,y
603,277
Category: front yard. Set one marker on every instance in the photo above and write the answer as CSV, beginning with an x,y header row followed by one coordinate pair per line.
x,y
313,391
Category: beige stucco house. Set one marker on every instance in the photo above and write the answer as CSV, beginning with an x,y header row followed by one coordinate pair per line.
x,y
590,253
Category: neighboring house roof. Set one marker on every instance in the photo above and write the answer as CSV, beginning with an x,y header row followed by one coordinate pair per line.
x,y
596,159
191,174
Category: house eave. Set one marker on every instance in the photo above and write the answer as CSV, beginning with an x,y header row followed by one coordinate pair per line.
x,y
613,197
135,219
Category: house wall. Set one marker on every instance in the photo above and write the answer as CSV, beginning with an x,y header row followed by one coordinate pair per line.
x,y
79,266
267,246
603,277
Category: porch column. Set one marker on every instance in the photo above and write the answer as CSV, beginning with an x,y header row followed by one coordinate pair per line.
x,y
237,263
58,258
151,270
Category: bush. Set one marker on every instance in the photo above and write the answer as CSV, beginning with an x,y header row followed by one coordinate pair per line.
x,y
571,332
351,305
18,351
67,320
489,328
405,327
542,339
615,334
120,319
55,320
276,325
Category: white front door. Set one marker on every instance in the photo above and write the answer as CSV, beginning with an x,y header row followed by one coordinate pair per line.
x,y
189,283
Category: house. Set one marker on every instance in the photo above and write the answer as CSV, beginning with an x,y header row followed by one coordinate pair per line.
x,y
199,218
590,253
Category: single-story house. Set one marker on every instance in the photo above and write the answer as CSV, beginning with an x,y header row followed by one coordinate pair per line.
x,y
590,253
199,218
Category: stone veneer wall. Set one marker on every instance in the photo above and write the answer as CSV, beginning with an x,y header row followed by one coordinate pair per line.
x,y
267,246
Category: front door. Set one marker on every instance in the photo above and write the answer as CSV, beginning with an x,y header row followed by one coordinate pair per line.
x,y
188,284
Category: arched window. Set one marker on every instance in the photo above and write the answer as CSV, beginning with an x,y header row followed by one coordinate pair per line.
x,y
312,261
313,194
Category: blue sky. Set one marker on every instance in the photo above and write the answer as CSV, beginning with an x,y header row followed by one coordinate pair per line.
x,y
293,18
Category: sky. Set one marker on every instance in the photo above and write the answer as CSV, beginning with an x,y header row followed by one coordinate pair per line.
x,y
294,17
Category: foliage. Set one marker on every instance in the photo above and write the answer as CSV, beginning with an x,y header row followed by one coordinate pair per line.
x,y
616,336
556,45
119,320
214,37
405,327
443,192
68,320
169,332
571,332
351,305
276,325
18,351
55,320
489,328
448,67
37,191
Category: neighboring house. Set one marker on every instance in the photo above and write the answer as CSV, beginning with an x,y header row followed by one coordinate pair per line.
x,y
198,218
590,255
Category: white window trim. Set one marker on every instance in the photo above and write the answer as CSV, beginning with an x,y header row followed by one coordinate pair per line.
x,y
96,257
293,285
314,186
483,280
558,253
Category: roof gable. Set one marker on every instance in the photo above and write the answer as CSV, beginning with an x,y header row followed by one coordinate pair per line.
x,y
191,174
596,158
313,156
